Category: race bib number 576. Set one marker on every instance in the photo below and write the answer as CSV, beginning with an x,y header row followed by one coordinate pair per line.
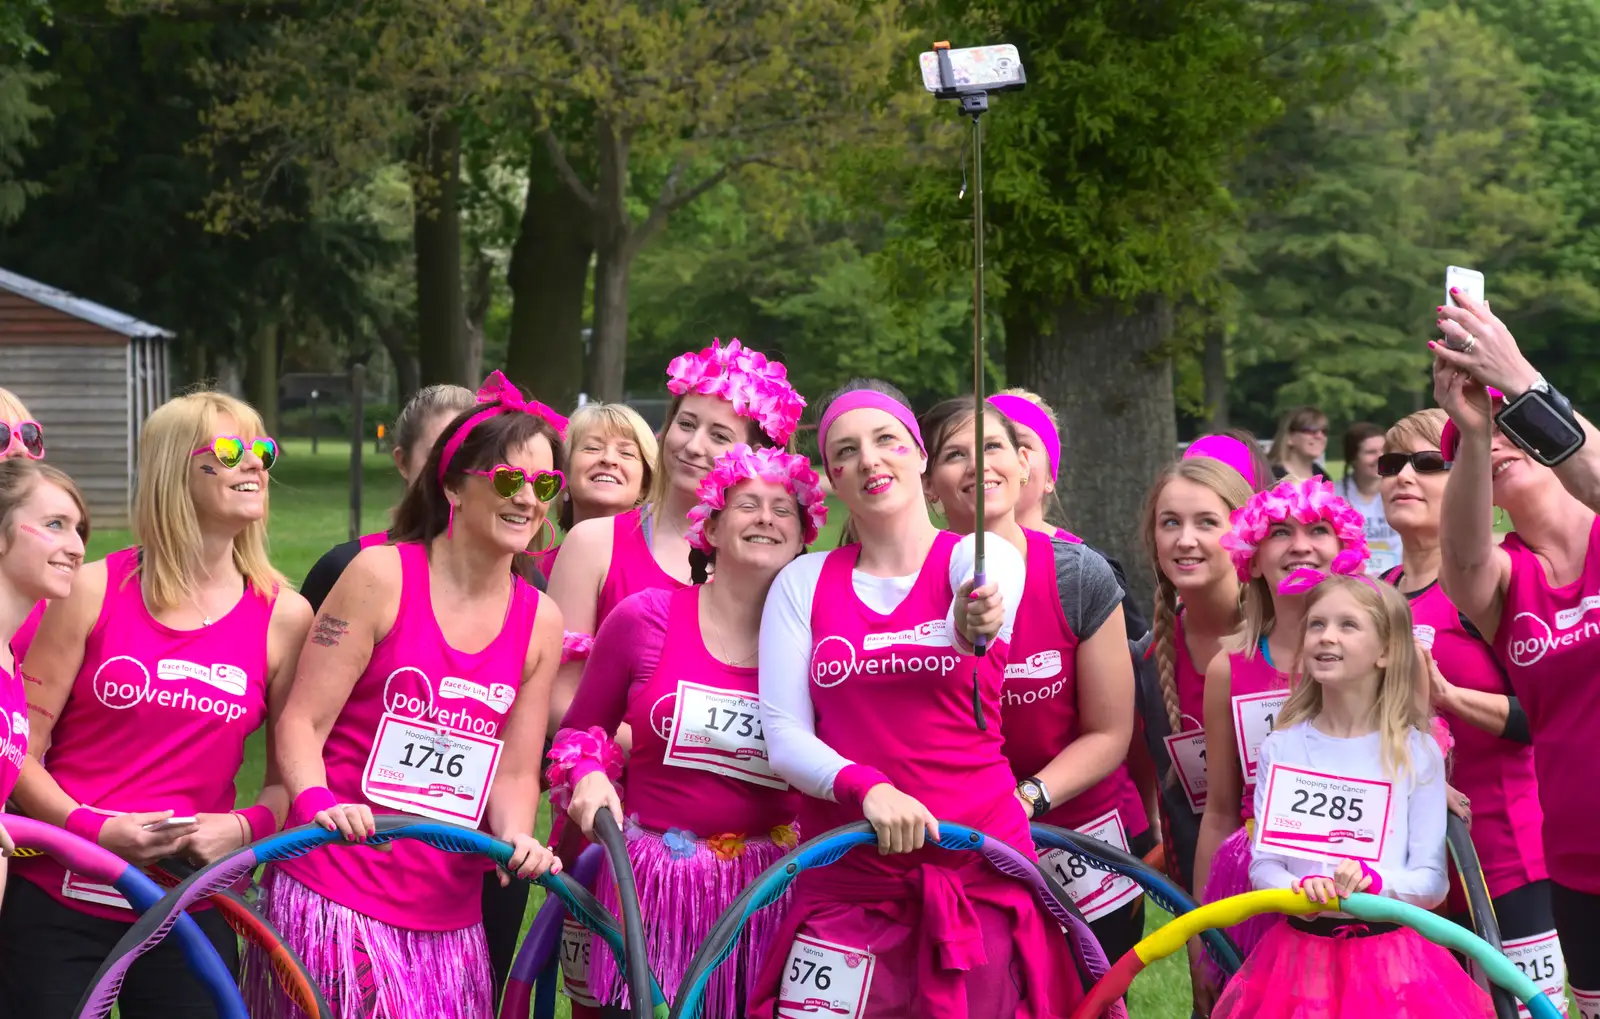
x,y
821,978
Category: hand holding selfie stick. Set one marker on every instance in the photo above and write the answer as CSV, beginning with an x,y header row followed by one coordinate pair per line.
x,y
983,69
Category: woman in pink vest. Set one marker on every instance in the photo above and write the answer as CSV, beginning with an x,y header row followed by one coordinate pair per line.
x,y
146,681
1492,775
424,690
611,456
868,704
1068,700
43,528
21,437
1533,596
705,812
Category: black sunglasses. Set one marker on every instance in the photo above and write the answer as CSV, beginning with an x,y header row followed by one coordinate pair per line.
x,y
1428,461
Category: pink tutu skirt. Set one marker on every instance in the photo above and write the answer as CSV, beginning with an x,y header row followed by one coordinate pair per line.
x,y
364,968
1230,876
1399,975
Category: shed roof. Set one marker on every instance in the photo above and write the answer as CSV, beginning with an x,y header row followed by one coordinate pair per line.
x,y
78,307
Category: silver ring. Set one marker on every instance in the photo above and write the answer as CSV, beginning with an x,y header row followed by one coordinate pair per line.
x,y
1472,341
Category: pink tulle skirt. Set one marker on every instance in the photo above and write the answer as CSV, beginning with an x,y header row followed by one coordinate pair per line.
x,y
1230,875
1399,975
364,968
683,890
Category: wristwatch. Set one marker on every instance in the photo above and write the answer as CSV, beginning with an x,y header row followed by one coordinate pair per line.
x,y
1033,791
1541,423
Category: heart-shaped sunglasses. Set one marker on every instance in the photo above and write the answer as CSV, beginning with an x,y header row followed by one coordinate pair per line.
x,y
229,450
508,481
26,434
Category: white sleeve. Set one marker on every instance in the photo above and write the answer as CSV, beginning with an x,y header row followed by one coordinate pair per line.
x,y
787,715
1422,880
1267,869
1003,565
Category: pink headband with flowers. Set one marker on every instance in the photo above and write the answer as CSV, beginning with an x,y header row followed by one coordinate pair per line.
x,y
741,463
758,389
1227,450
501,397
1304,501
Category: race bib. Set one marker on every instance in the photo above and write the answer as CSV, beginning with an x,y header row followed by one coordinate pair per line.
x,y
1253,716
432,770
1316,816
1187,751
1096,892
719,731
76,886
575,942
821,978
1539,958
1424,634
1587,1003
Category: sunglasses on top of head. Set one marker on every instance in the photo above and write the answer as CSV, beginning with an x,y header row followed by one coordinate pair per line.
x,y
508,481
26,434
1428,461
230,449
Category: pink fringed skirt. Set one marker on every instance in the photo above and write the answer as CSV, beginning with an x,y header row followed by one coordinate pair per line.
x,y
364,968
1230,875
684,886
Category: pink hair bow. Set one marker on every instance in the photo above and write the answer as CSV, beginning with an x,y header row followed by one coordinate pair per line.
x,y
498,389
1349,563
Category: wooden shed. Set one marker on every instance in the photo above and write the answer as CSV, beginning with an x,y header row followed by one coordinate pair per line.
x,y
90,376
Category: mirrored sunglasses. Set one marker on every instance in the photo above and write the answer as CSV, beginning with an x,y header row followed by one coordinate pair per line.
x,y
230,449
1428,461
508,481
27,434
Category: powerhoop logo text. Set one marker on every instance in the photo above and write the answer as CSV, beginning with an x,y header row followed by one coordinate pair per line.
x,y
13,737
124,682
1532,637
835,659
410,693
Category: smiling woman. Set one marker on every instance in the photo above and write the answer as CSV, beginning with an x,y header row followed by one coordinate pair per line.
x,y
145,770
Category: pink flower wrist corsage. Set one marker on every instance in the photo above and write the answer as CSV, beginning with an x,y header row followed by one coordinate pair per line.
x,y
581,751
575,647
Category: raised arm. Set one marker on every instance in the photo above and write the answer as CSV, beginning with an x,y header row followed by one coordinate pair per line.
x,y
1474,570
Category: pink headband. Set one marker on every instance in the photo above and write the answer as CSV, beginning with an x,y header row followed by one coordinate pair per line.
x,y
741,463
1305,501
1030,415
867,398
501,397
1227,450
758,389
1450,436
1305,578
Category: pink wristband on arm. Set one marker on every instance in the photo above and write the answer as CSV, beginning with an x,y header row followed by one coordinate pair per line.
x,y
577,753
86,824
853,783
1377,879
309,804
262,820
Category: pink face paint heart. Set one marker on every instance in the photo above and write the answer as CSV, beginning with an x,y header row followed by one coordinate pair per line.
x,y
34,531
836,471
902,451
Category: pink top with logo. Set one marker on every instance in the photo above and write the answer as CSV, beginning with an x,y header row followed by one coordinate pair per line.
x,y
1190,681
1549,641
415,673
13,731
633,566
699,758
25,633
1040,699
156,718
1246,676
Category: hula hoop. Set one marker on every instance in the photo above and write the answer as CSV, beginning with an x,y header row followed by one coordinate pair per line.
x,y
537,954
829,847
153,926
609,833
1371,908
1480,907
1155,884
85,857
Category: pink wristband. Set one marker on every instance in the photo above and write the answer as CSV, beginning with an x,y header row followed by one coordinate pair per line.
x,y
86,824
853,783
1377,879
262,821
310,803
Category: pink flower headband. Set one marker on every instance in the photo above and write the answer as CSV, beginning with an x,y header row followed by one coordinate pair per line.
x,y
1305,501
1030,415
1227,450
741,463
1305,578
758,389
501,397
867,398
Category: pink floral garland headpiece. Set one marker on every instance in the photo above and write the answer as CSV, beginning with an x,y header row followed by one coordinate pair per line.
x,y
1305,501
758,389
741,463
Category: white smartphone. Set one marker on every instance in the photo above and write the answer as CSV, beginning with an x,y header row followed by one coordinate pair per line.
x,y
1468,281
171,822
976,69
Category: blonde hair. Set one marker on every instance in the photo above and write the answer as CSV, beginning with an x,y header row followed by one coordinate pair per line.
x,y
18,478
616,421
1425,426
1293,421
1036,400
1398,710
11,408
165,524
1234,492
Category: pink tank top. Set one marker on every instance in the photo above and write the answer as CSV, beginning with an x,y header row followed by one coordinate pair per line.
x,y
891,692
13,731
1190,681
1549,642
156,718
25,633
546,561
1496,774
1040,699
633,566
1248,676
415,673
699,759
376,538
1066,535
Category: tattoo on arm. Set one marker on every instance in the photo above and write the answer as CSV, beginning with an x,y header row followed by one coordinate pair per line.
x,y
328,631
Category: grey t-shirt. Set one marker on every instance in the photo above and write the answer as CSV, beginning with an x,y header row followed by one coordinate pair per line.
x,y
1087,586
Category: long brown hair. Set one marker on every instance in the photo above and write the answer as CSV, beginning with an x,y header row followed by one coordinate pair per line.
x,y
661,471
19,475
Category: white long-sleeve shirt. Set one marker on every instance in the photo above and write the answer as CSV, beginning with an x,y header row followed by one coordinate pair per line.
x,y
1413,862
787,714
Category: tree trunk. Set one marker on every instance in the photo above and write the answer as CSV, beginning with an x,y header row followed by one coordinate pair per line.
x,y
1105,370
263,377
608,358
548,275
1214,373
480,295
404,361
437,238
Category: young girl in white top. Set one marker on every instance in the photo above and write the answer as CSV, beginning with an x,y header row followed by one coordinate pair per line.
x,y
1351,798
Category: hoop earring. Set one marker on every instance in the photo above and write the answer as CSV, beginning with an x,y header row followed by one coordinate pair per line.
x,y
1499,517
543,524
